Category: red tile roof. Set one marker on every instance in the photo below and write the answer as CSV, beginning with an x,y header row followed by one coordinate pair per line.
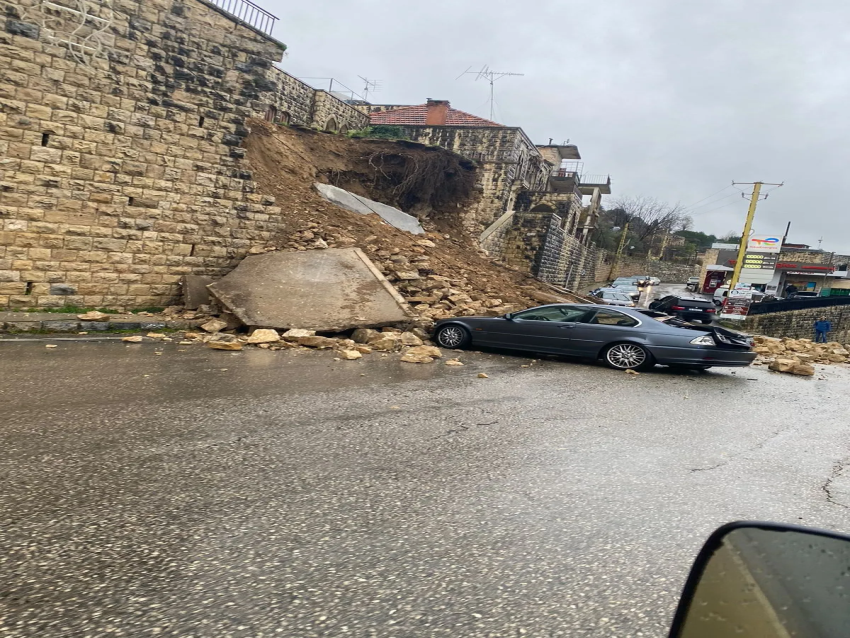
x,y
415,115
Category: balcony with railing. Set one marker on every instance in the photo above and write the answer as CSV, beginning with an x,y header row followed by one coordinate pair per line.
x,y
247,13
569,177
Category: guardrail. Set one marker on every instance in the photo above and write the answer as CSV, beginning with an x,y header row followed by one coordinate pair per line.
x,y
249,13
784,305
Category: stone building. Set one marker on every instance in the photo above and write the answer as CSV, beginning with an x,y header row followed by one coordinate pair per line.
x,y
531,212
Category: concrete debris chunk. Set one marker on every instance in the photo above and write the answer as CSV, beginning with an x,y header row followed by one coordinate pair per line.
x,y
386,342
133,339
93,315
195,293
264,335
803,370
350,355
364,206
224,345
214,325
364,335
331,290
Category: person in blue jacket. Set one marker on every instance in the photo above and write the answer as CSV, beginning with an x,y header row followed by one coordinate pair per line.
x,y
822,327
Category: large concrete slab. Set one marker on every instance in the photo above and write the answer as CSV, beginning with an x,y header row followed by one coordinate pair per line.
x,y
364,206
195,291
325,290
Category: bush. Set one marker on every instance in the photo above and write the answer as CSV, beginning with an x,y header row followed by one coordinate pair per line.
x,y
380,132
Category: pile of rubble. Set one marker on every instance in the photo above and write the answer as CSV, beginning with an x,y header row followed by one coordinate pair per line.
x,y
413,346
797,356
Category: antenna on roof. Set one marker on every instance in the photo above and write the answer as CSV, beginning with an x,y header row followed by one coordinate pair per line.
x,y
371,85
491,76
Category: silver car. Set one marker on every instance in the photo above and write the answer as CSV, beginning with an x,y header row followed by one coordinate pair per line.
x,y
616,298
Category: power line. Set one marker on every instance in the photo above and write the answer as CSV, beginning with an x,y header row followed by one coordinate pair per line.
x,y
709,197
712,203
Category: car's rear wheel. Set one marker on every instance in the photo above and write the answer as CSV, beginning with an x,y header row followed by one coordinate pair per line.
x,y
453,337
627,356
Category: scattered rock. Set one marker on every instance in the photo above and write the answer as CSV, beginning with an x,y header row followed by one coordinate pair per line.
x,y
407,275
482,375
156,335
364,335
454,362
425,351
93,315
264,335
350,355
410,357
362,348
133,339
803,370
297,333
224,345
426,243
320,343
214,325
185,343
632,372
51,345
192,335
386,342
410,339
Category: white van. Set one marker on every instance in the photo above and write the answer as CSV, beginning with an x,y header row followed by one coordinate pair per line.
x,y
721,293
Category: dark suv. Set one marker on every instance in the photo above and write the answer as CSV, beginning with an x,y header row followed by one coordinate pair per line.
x,y
687,308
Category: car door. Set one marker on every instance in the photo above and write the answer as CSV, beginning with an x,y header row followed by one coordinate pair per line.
x,y
600,328
542,329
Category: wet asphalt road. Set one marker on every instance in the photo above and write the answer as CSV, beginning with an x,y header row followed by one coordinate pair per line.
x,y
204,493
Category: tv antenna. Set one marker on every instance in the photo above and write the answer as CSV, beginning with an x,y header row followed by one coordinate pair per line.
x,y
486,73
371,85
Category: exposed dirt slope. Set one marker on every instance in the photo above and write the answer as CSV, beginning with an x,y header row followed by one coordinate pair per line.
x,y
442,274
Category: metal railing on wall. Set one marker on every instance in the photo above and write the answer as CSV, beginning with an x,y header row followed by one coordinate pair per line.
x,y
784,305
249,13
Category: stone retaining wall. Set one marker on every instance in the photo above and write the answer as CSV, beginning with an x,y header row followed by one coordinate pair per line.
x,y
799,324
121,163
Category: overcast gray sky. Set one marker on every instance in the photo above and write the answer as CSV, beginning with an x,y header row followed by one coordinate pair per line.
x,y
675,99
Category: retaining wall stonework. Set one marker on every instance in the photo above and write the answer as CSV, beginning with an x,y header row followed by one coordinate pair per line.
x,y
121,163
799,324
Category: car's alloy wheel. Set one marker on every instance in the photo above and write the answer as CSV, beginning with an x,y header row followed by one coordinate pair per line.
x,y
626,356
452,337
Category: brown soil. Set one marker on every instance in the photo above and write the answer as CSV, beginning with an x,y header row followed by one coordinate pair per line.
x,y
429,182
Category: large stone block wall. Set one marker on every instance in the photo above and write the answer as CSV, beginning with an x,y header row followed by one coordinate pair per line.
x,y
120,166
799,324
666,271
332,114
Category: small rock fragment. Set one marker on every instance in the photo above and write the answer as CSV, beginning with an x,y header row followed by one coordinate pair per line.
x,y
224,345
482,375
295,334
454,362
156,335
93,315
133,339
214,325
410,339
632,372
264,335
350,355
50,345
317,342
409,357
426,351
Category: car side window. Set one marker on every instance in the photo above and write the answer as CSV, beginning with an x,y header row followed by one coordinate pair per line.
x,y
552,313
613,318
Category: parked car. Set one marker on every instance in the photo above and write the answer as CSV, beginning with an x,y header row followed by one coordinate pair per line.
x,y
654,281
616,298
692,283
624,338
629,289
628,281
687,308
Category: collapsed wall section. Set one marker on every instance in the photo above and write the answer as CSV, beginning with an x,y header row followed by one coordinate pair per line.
x,y
120,138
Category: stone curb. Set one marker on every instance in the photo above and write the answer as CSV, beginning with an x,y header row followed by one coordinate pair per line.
x,y
75,325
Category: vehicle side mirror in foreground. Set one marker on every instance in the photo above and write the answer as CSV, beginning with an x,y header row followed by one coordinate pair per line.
x,y
508,316
767,580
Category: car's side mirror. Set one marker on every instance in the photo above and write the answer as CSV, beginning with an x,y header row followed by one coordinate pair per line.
x,y
509,316
767,580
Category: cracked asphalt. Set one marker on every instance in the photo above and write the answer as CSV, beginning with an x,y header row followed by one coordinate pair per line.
x,y
203,493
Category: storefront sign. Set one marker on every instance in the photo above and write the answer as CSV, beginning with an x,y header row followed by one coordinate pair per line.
x,y
764,243
735,308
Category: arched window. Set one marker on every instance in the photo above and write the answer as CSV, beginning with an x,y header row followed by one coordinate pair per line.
x,y
331,125
271,113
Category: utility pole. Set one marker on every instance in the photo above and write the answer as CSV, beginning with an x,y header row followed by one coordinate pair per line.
x,y
619,252
748,226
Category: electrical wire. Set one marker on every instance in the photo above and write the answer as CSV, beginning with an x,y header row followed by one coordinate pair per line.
x,y
709,197
711,203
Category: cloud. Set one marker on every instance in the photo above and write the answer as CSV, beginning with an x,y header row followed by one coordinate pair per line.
x,y
674,100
